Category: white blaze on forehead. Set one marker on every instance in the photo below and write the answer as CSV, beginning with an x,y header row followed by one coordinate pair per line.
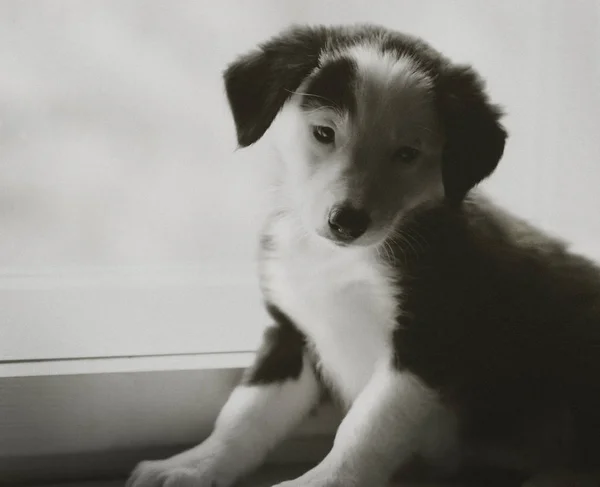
x,y
394,94
387,68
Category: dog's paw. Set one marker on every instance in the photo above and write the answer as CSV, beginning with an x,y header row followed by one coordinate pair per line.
x,y
166,473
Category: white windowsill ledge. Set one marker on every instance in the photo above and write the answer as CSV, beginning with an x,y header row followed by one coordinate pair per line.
x,y
107,365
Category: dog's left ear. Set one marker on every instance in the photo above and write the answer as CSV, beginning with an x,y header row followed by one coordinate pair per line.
x,y
260,82
474,136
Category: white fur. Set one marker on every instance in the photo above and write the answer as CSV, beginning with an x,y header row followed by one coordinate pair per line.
x,y
387,68
388,72
252,422
341,298
346,302
382,430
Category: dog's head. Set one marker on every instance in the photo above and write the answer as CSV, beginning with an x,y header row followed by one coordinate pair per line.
x,y
370,124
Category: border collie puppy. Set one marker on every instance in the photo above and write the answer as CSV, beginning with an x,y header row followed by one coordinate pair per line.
x,y
450,331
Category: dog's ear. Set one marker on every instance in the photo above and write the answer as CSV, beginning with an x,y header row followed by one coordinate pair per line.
x,y
474,136
260,82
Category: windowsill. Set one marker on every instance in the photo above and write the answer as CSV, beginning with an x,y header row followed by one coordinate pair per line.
x,y
108,365
266,477
95,418
100,367
102,469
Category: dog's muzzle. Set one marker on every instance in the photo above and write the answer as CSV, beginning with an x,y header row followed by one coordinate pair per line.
x,y
347,223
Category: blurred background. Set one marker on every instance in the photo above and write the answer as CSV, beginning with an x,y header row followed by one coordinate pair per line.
x,y
128,220
117,148
118,160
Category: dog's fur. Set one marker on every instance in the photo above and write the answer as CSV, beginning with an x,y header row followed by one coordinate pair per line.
x,y
449,330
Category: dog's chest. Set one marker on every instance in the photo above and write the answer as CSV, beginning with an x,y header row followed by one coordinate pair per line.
x,y
342,300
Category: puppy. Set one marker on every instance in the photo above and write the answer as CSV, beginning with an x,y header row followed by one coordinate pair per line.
x,y
450,331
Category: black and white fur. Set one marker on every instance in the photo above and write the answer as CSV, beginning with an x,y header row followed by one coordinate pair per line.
x,y
449,330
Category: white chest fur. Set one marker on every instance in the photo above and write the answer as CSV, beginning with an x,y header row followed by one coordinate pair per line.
x,y
341,298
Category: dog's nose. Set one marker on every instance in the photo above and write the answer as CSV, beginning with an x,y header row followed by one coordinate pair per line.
x,y
348,223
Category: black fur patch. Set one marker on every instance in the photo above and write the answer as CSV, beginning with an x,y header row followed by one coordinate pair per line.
x,y
475,138
259,83
280,357
505,324
333,87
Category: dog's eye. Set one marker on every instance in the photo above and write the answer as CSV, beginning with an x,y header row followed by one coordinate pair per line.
x,y
324,134
406,154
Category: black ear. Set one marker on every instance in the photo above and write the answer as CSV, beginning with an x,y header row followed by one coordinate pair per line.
x,y
260,82
474,136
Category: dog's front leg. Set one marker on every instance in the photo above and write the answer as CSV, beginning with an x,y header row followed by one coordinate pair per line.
x,y
275,395
379,434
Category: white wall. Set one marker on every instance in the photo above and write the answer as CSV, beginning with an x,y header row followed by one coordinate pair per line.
x,y
117,155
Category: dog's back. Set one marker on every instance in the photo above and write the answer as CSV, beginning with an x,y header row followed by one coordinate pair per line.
x,y
509,330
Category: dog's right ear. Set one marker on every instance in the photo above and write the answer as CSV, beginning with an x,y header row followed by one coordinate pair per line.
x,y
260,82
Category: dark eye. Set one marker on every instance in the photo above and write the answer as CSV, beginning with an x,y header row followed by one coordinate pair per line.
x,y
324,134
406,154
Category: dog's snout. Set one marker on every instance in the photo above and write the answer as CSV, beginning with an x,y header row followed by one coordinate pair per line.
x,y
348,223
